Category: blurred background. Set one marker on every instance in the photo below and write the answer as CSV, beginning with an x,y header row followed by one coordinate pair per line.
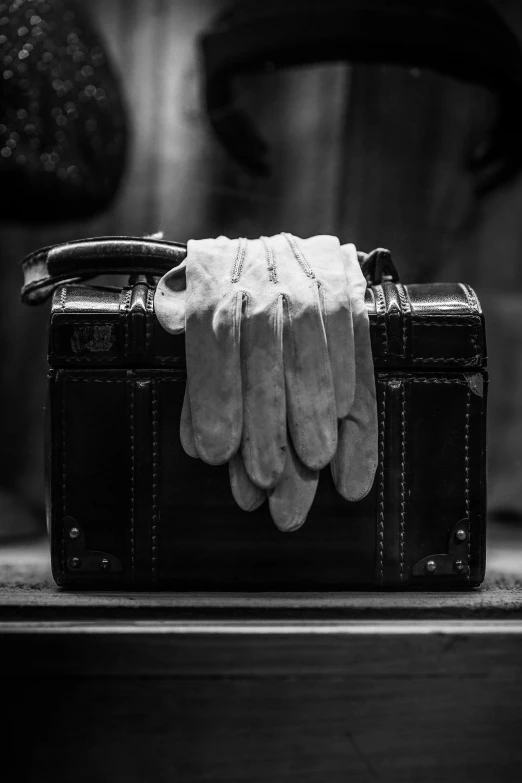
x,y
372,154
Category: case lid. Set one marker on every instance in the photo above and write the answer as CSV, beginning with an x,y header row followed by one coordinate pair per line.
x,y
424,326
436,325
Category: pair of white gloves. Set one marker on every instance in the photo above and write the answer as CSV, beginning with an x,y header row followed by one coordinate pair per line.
x,y
280,376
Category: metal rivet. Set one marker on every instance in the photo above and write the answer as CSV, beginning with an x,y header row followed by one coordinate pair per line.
x,y
105,564
460,565
431,566
75,562
74,533
461,534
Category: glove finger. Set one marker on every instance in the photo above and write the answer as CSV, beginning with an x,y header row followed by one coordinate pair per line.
x,y
354,466
337,317
170,299
311,411
186,432
291,499
326,259
264,440
246,494
212,342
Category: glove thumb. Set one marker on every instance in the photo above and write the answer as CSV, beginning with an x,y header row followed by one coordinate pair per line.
x,y
170,299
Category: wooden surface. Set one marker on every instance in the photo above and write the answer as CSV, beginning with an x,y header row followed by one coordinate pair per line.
x,y
28,593
256,702
250,688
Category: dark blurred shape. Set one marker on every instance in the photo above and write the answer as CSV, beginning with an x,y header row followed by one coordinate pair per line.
x,y
506,516
63,132
466,39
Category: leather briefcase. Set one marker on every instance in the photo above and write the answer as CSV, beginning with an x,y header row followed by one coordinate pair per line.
x,y
128,508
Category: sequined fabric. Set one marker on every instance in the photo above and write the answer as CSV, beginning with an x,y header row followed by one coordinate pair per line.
x,y
62,119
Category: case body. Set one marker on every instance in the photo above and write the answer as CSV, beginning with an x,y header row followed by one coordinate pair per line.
x,y
128,508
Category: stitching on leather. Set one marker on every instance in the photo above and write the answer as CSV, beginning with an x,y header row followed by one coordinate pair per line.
x,y
469,300
405,312
64,477
83,379
475,305
148,333
403,477
461,324
109,359
466,482
88,322
380,302
450,381
125,306
381,485
77,359
154,478
148,320
63,297
132,438
475,336
473,322
448,360
460,382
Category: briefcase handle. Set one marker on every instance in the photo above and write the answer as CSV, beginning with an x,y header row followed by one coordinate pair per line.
x,y
75,262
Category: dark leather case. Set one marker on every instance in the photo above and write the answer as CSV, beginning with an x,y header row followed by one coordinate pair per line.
x,y
128,508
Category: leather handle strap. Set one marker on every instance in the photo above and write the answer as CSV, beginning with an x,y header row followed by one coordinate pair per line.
x,y
73,262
